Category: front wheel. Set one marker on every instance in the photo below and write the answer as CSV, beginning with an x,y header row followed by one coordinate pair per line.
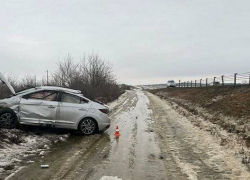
x,y
88,126
8,119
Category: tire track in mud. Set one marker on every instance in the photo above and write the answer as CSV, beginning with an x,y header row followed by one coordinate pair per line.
x,y
136,154
80,156
189,152
132,152
80,165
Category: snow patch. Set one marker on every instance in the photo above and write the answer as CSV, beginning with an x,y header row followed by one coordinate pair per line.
x,y
110,178
17,145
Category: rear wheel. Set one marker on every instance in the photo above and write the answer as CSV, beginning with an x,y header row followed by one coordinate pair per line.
x,y
8,119
87,126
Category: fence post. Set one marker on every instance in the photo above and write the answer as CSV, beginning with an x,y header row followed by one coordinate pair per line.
x,y
191,83
214,81
235,76
195,83
200,82
179,83
184,84
187,83
206,82
222,80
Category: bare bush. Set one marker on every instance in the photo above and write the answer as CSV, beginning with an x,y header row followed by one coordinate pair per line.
x,y
92,75
66,72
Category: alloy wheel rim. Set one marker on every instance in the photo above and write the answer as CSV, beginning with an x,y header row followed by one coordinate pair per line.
x,y
6,120
88,126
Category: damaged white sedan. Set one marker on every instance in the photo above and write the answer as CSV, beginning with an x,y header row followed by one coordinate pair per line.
x,y
53,106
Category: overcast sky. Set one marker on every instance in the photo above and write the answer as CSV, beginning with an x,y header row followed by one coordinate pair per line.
x,y
147,41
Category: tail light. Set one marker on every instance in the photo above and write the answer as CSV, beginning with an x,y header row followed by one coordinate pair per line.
x,y
105,111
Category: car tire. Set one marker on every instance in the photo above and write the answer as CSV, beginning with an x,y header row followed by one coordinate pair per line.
x,y
8,119
87,126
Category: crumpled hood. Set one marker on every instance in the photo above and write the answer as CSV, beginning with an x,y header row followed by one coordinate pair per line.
x,y
5,81
2,103
10,102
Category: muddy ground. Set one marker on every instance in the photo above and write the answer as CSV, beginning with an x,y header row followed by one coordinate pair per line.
x,y
231,101
227,106
158,141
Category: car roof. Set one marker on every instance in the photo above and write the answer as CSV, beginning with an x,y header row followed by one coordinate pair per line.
x,y
59,89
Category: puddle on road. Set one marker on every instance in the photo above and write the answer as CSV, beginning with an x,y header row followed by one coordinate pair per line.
x,y
135,155
60,157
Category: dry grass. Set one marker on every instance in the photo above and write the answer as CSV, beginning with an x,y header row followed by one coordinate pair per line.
x,y
231,101
229,107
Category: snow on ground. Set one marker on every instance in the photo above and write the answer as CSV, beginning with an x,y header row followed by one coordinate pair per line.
x,y
228,146
18,146
227,139
110,178
202,139
112,105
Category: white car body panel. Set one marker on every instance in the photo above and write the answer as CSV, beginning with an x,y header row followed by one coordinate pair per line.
x,y
35,112
70,114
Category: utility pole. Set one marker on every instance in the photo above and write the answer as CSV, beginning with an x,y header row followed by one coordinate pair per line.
x,y
47,77
235,80
35,80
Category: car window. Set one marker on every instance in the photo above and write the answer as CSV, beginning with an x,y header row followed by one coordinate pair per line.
x,y
43,95
68,98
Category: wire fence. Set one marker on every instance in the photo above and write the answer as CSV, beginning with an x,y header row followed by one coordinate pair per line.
x,y
223,80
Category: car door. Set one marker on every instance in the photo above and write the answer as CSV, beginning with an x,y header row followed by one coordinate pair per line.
x,y
71,109
39,108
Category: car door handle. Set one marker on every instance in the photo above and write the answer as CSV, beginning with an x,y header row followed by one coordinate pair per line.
x,y
51,107
82,109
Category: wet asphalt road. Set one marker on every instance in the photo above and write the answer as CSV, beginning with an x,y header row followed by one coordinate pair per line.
x,y
156,143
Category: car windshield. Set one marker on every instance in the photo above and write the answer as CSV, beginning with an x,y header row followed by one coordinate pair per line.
x,y
24,91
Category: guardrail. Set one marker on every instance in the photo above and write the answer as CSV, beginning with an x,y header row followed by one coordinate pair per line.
x,y
234,79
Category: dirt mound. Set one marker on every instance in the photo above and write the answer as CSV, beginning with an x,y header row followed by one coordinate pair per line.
x,y
228,106
231,101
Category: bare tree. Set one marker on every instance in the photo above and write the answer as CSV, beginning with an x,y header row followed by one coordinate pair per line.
x,y
65,73
92,75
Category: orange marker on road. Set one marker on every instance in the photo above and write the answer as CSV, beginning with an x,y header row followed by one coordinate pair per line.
x,y
117,132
